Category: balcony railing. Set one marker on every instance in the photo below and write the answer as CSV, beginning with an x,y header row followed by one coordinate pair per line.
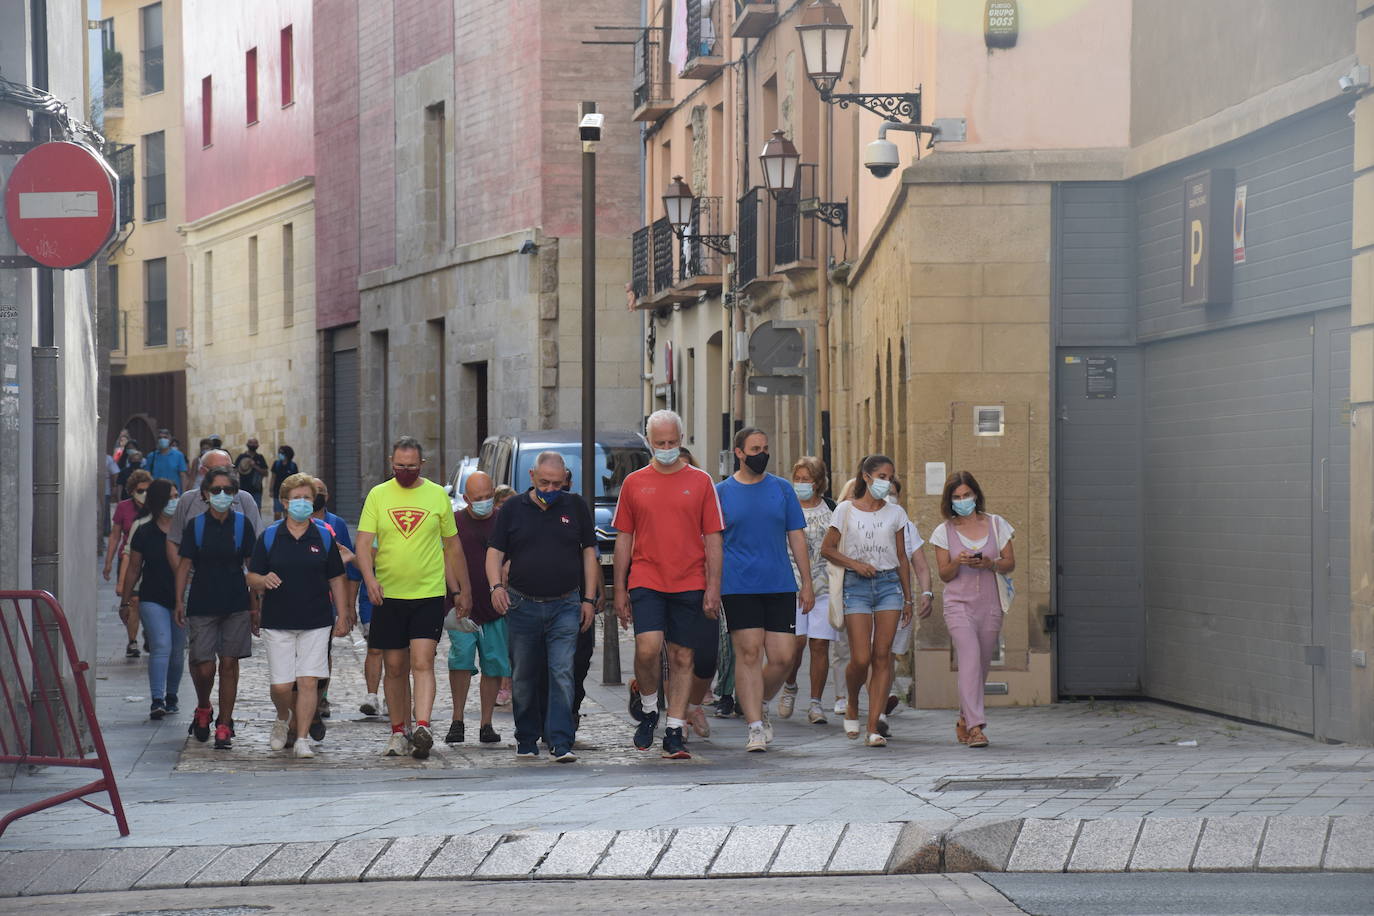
x,y
705,49
747,230
700,266
794,236
639,263
651,100
121,159
662,240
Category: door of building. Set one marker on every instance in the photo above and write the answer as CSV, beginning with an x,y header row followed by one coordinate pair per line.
x,y
346,433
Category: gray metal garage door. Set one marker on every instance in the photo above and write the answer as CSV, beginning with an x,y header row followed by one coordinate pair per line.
x,y
1228,521
1331,525
1100,627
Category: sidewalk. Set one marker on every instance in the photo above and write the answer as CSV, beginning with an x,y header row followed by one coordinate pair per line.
x,y
1113,789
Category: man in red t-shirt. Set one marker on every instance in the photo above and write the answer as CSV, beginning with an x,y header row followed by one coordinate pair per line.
x,y
667,575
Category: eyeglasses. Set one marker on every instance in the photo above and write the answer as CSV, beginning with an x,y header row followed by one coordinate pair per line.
x,y
140,491
215,491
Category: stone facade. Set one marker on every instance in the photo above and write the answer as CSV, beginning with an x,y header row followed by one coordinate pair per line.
x,y
255,376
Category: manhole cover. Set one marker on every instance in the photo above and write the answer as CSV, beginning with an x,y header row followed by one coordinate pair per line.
x,y
1027,784
1332,768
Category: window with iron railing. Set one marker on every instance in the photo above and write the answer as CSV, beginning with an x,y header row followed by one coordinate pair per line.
x,y
662,242
794,236
121,159
698,260
650,76
639,262
701,29
155,303
150,43
154,176
747,233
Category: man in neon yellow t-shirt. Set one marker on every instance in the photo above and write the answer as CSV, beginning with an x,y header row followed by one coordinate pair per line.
x,y
418,561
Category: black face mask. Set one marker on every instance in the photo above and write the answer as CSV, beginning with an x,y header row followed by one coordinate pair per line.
x,y
757,463
320,502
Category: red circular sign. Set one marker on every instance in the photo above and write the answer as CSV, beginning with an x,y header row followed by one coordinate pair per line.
x,y
60,204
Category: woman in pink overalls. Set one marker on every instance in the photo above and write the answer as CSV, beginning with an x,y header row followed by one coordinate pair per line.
x,y
973,548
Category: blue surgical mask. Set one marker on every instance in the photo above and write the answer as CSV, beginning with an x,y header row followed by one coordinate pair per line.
x,y
482,507
171,508
804,490
163,443
300,508
879,488
221,501
547,497
667,455
965,507
281,456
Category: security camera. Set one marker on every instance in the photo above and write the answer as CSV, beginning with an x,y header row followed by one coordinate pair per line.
x,y
1357,78
882,158
590,127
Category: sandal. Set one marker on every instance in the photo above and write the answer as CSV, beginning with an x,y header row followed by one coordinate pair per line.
x,y
976,738
875,740
851,728
961,731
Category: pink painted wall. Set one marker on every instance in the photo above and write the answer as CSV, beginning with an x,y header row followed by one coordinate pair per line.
x,y
337,192
244,159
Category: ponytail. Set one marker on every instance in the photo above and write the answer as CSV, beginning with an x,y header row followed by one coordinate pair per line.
x,y
867,465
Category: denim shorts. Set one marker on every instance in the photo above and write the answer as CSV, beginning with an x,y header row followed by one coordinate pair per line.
x,y
864,596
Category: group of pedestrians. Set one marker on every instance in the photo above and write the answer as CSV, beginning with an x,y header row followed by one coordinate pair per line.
x,y
770,561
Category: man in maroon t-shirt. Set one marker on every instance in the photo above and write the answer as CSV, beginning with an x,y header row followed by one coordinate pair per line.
x,y
475,522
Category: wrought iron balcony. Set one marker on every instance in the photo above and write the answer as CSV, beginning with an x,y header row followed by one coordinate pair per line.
x,y
753,20
699,265
705,47
651,95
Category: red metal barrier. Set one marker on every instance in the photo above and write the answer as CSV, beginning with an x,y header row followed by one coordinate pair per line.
x,y
39,724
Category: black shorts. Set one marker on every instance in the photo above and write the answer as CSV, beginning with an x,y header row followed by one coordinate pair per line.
x,y
678,615
775,612
396,621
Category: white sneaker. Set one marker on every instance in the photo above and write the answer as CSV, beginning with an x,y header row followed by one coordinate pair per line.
x,y
767,726
279,728
369,705
303,749
816,715
841,705
758,741
787,702
398,746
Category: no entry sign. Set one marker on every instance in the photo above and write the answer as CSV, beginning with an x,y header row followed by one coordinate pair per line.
x,y
60,204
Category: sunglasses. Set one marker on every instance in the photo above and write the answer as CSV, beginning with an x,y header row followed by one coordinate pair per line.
x,y
214,491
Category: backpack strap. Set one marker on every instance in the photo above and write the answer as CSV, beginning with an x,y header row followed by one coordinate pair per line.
x,y
199,530
270,535
326,534
238,532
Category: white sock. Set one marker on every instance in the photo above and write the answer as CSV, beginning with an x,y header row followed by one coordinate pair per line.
x,y
758,724
649,702
675,723
815,701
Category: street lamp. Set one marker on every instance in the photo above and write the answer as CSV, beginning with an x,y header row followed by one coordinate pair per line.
x,y
779,160
679,203
824,37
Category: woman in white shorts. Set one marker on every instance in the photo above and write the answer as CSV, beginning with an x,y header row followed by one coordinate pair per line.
x,y
297,565
810,481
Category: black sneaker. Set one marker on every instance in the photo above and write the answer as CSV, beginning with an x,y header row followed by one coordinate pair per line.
x,y
883,728
421,740
636,707
200,724
563,755
317,728
131,650
725,707
674,748
488,735
644,735
324,710
171,701
158,709
528,751
455,733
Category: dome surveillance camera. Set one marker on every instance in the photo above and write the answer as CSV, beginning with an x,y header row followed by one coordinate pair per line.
x,y
882,158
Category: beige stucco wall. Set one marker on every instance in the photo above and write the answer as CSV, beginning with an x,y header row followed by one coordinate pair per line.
x,y
240,383
951,310
144,114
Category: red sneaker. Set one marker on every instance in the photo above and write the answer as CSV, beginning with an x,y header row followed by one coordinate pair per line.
x,y
224,737
200,723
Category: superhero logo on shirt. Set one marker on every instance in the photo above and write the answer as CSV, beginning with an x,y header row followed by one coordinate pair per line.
x,y
566,520
408,521
314,548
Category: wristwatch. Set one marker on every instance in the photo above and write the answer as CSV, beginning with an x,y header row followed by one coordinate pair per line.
x,y
492,589
927,594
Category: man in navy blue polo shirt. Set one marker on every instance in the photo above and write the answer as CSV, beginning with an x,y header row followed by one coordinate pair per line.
x,y
549,538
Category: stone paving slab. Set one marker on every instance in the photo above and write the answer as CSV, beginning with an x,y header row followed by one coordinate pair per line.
x,y
747,851
980,845
633,853
516,855
1166,844
346,861
1043,845
1104,845
806,849
234,865
1229,844
1294,843
22,869
1350,846
404,859
460,856
575,854
864,849
122,869
179,867
691,852
290,863
68,871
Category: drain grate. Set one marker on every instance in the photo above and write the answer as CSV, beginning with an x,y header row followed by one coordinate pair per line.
x,y
1027,784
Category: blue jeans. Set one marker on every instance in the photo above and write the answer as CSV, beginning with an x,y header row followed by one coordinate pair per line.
x,y
543,640
166,649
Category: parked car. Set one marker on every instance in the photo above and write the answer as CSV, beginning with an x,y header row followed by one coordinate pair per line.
x,y
458,481
509,459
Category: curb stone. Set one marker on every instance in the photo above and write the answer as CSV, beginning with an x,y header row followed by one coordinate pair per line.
x,y
1112,845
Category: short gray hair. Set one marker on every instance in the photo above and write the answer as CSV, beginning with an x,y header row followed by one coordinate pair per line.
x,y
548,457
663,416
215,451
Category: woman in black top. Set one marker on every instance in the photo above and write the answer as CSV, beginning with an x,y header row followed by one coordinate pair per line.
x,y
282,468
148,574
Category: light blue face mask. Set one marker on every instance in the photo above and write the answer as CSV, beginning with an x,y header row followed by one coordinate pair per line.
x,y
965,507
482,507
804,490
667,455
221,501
171,508
879,488
300,509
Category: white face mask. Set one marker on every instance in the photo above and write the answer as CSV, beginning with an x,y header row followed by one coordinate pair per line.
x,y
879,488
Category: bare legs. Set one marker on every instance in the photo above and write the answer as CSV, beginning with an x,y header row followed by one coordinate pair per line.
x,y
870,660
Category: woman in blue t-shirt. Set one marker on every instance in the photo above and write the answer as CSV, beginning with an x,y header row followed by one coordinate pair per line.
x,y
763,522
